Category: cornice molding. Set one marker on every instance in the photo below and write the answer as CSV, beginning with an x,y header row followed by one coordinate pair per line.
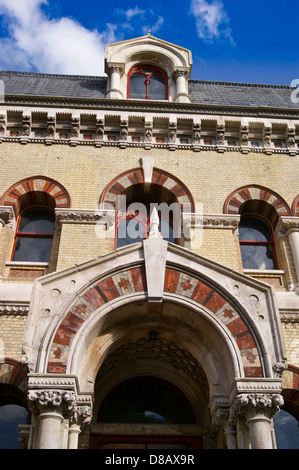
x,y
150,106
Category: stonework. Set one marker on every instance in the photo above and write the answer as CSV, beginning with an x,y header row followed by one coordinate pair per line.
x,y
186,311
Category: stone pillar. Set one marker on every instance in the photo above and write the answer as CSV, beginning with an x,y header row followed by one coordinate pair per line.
x,y
79,419
222,418
258,410
115,72
7,228
51,407
290,226
180,77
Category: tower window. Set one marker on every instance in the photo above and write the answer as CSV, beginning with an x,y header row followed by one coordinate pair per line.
x,y
147,82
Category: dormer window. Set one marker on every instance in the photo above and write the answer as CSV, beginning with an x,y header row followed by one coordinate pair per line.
x,y
147,82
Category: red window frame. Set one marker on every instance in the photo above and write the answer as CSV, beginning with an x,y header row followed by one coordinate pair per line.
x,y
155,71
30,234
261,243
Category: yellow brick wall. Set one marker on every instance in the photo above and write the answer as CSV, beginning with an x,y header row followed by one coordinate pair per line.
x,y
291,338
12,329
210,176
86,170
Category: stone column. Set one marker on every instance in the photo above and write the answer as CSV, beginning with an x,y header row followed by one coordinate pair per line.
x,y
7,228
222,418
290,226
258,410
115,72
79,419
180,76
51,407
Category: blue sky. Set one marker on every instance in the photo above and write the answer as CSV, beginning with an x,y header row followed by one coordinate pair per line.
x,y
230,40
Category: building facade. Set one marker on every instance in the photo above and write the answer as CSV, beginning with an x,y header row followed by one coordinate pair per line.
x,y
149,255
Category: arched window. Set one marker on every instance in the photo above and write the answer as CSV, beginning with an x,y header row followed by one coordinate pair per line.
x,y
34,235
146,400
147,82
256,242
134,224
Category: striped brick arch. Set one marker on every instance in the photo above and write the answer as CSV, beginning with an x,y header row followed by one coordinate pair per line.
x,y
259,200
13,373
295,207
37,190
126,182
134,281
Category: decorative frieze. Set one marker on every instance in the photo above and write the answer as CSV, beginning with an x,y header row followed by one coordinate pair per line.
x,y
93,132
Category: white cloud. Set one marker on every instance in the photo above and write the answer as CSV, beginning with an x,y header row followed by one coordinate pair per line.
x,y
36,42
212,21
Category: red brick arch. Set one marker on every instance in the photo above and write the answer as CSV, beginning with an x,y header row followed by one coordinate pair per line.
x,y
256,194
134,280
295,207
122,182
36,190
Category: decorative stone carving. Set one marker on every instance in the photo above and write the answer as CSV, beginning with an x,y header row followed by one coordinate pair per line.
x,y
42,401
256,403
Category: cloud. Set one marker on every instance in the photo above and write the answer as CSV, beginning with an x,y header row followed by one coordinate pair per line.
x,y
33,41
212,21
36,42
140,21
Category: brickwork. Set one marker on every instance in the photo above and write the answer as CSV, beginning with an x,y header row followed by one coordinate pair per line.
x,y
291,338
12,329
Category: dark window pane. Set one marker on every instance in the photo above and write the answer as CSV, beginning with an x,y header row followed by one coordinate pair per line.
x,y
258,256
37,221
138,86
146,401
32,249
252,229
157,88
10,417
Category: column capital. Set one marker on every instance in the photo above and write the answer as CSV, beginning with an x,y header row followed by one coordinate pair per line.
x,y
6,215
249,405
62,402
81,416
287,224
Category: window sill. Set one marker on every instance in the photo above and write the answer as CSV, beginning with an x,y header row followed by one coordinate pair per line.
x,y
29,264
263,271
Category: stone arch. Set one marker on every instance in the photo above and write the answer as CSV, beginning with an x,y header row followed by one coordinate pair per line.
x,y
120,184
36,190
295,207
128,287
260,200
14,375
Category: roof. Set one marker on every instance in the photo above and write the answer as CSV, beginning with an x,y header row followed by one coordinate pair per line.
x,y
201,92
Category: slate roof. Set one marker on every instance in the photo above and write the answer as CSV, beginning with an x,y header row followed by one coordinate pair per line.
x,y
201,92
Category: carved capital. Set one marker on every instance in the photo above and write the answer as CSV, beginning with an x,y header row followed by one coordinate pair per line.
x,y
6,215
249,405
45,401
288,224
81,416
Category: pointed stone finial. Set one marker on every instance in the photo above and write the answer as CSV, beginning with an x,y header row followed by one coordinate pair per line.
x,y
154,225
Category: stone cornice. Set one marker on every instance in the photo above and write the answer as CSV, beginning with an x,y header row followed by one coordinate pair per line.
x,y
82,216
150,106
